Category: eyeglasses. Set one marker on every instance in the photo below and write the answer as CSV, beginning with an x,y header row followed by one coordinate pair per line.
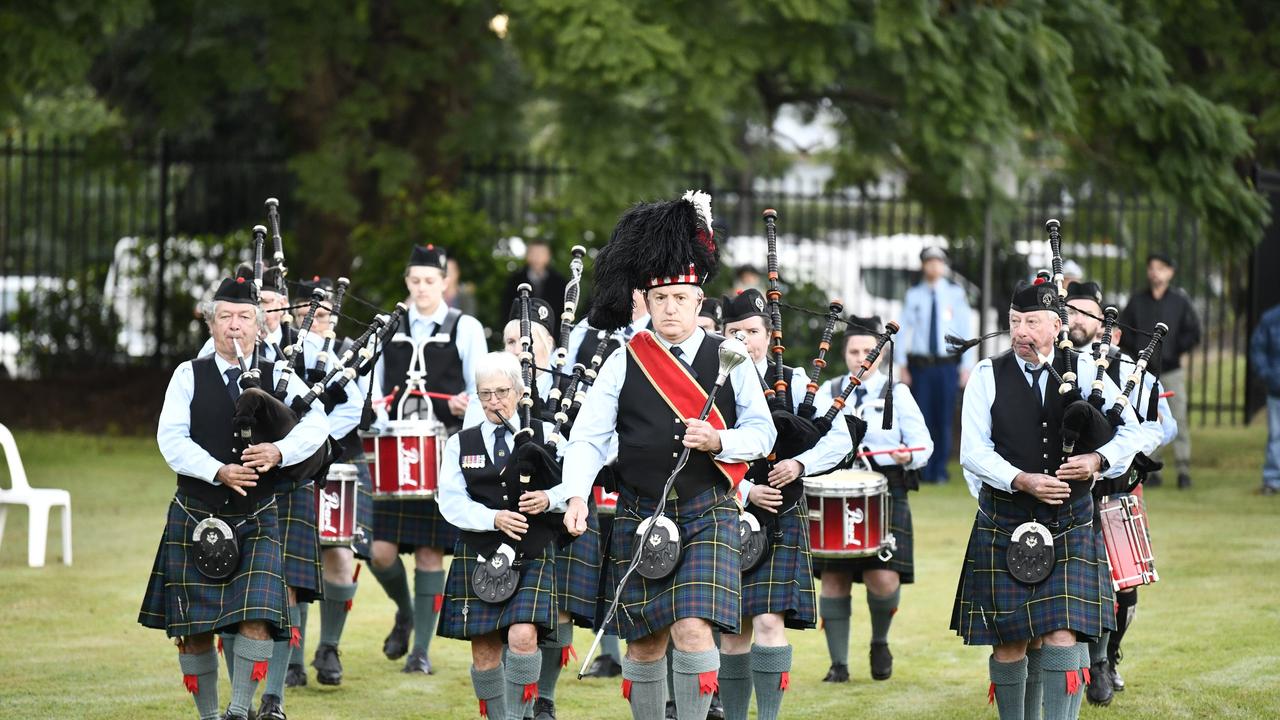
x,y
500,393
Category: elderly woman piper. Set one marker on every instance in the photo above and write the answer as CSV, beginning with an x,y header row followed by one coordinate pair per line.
x,y
501,585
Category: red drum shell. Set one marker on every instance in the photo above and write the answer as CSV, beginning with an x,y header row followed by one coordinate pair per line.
x,y
1128,542
848,514
606,502
336,505
404,459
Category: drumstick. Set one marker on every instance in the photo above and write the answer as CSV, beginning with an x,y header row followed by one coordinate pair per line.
x,y
890,451
1166,394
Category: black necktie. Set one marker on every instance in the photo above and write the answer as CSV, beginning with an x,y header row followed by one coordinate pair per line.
x,y
859,394
233,387
1035,380
933,327
675,350
501,450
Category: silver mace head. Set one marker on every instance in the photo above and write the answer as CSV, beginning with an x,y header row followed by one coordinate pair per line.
x,y
732,354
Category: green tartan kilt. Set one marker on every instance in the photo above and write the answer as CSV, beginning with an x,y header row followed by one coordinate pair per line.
x,y
903,560
464,616
578,572
783,582
301,541
708,582
413,524
993,608
182,602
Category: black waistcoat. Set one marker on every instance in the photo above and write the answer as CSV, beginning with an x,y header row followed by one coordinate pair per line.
x,y
587,349
444,369
211,429
650,434
487,486
1023,433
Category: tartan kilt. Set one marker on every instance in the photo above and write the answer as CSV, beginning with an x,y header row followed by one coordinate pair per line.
x,y
903,560
182,602
464,616
992,608
578,573
783,582
300,540
412,524
707,583
363,543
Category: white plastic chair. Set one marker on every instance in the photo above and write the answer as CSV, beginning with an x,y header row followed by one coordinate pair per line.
x,y
38,502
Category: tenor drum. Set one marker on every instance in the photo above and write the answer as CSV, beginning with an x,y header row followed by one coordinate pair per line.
x,y
336,505
848,514
1128,542
606,502
404,459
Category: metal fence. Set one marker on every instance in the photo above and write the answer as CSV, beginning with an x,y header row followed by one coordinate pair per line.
x,y
94,239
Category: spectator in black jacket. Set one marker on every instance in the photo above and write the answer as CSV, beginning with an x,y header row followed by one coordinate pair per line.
x,y
1170,305
1264,354
537,271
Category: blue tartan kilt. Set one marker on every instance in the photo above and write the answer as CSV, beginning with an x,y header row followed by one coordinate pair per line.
x,y
578,573
413,524
992,608
708,582
182,602
783,582
903,560
464,616
301,541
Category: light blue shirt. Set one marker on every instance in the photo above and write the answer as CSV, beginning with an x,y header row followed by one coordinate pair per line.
x,y
978,456
593,430
908,428
455,504
954,318
345,416
1161,431
469,339
186,457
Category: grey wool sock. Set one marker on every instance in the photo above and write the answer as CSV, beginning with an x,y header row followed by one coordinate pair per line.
x,y
281,656
770,673
609,646
1060,671
299,650
1034,697
200,675
644,685
395,583
1008,686
1082,650
835,614
554,656
696,679
522,683
428,595
491,687
227,646
735,685
251,657
333,611
882,611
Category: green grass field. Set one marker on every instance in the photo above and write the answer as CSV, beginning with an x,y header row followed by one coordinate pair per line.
x,y
1204,645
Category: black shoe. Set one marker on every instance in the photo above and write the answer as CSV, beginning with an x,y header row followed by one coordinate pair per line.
x,y
839,672
544,709
1154,479
1117,682
1184,481
295,676
881,661
603,667
417,663
328,666
716,711
270,708
397,642
671,710
228,716
1100,691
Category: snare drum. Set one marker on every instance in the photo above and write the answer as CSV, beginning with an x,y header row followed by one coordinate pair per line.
x,y
404,459
1124,532
606,502
336,505
848,514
